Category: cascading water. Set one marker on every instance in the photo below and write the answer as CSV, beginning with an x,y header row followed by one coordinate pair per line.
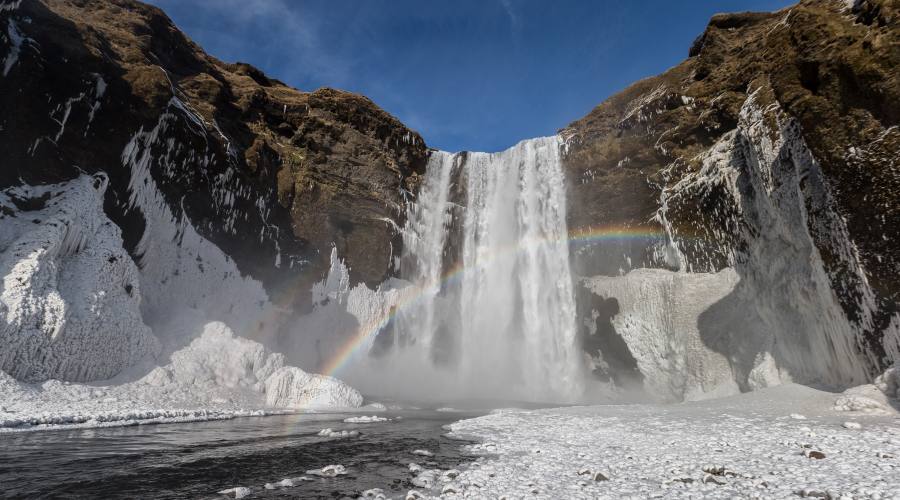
x,y
494,314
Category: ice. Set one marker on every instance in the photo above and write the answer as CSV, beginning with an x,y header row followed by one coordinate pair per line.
x,y
15,39
287,482
217,375
366,420
238,492
291,387
329,433
658,320
793,248
424,453
71,295
328,471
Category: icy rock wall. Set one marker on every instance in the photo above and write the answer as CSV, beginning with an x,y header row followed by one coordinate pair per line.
x,y
180,268
792,315
71,295
657,318
195,294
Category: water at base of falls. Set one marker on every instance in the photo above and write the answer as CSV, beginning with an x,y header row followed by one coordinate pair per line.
x,y
485,246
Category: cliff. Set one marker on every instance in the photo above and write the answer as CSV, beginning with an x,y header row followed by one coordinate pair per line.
x,y
271,175
773,150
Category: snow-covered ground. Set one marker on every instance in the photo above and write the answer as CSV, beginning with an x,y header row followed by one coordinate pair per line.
x,y
218,375
782,442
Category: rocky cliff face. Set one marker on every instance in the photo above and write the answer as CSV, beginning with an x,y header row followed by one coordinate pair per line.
x,y
148,191
271,175
773,150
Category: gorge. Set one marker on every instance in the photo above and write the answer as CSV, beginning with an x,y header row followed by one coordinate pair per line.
x,y
186,239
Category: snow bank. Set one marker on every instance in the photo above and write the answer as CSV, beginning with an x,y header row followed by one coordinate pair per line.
x,y
291,387
330,433
738,447
218,359
71,295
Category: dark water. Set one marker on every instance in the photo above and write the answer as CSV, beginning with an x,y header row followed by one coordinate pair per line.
x,y
196,460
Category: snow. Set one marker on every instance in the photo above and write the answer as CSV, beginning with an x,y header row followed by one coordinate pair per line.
x,y
238,492
328,471
744,446
658,320
15,39
218,375
9,5
366,420
329,433
291,387
70,301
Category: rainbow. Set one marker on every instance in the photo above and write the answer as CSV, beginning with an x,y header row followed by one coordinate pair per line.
x,y
413,295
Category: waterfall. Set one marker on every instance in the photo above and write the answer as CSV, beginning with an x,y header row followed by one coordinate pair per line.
x,y
485,246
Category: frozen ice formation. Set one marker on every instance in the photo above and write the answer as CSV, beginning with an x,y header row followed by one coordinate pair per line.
x,y
238,492
329,433
366,419
291,387
328,471
658,320
71,296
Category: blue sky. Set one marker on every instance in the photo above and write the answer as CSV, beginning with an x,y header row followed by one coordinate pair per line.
x,y
470,74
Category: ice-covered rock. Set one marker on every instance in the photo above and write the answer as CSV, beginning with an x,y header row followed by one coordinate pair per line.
x,y
71,296
238,492
777,309
864,398
658,320
218,358
329,433
889,381
328,471
366,419
291,387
